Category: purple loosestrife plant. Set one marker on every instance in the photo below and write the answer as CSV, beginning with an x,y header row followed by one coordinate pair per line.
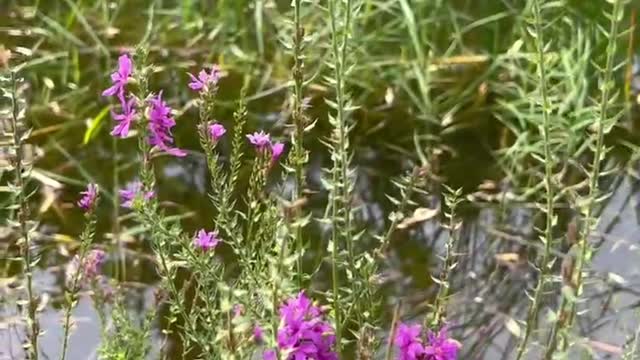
x,y
206,241
216,131
160,124
129,194
205,81
84,265
303,332
258,334
411,345
409,342
276,151
120,78
92,264
89,197
260,140
440,346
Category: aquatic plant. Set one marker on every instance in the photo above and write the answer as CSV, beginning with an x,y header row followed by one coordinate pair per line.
x,y
372,81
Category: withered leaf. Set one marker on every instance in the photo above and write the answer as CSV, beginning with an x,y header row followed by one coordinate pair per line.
x,y
419,215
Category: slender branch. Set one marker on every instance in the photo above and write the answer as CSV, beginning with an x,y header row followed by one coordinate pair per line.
x,y
567,321
23,218
299,154
548,175
86,238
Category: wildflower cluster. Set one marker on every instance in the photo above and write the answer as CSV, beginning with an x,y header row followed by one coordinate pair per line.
x,y
303,332
206,240
411,345
89,197
205,81
93,264
216,131
133,190
160,124
160,119
261,141
119,79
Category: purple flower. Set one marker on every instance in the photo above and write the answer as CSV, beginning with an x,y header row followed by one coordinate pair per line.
x,y
120,77
303,333
269,355
93,263
89,197
276,151
216,131
131,191
125,119
204,79
258,334
260,140
409,343
206,240
160,124
440,347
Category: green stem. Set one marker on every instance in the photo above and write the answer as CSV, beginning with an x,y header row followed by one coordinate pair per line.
x,y
23,217
85,242
593,184
340,204
548,174
392,333
443,292
298,119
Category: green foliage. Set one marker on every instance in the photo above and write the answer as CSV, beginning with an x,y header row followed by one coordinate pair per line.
x,y
540,77
124,339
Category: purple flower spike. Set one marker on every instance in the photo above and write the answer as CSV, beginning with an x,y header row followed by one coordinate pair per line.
x,y
125,119
93,263
269,355
304,334
438,346
216,131
276,151
260,140
409,343
441,347
206,240
205,80
258,334
131,191
89,196
160,124
120,77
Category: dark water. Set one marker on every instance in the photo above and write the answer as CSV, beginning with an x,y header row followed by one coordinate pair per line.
x,y
489,294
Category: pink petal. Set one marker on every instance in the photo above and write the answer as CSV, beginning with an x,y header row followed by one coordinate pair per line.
x,y
110,91
124,64
203,76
